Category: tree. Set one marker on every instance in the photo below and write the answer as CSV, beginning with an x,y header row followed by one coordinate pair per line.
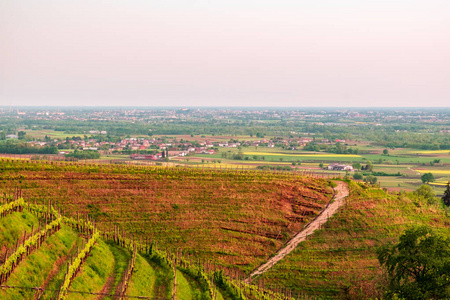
x,y
427,177
446,197
21,135
386,151
357,176
371,179
418,266
426,192
356,166
369,166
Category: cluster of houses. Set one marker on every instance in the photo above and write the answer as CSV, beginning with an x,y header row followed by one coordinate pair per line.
x,y
172,145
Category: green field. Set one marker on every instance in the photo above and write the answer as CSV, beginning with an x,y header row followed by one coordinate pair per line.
x,y
40,134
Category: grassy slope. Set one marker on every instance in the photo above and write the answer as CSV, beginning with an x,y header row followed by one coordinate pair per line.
x,y
340,260
236,219
12,228
56,279
34,270
121,258
47,266
94,271
162,288
185,288
142,283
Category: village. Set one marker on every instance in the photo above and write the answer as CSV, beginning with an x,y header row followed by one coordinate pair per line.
x,y
144,148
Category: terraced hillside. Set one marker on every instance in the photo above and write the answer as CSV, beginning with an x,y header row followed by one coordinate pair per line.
x,y
340,260
206,221
235,219
66,258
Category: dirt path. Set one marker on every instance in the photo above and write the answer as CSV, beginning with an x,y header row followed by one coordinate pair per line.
x,y
341,191
108,286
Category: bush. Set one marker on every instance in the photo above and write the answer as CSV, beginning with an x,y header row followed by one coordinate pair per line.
x,y
426,192
86,154
371,179
358,176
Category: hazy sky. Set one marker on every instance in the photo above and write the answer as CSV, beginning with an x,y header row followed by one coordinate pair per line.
x,y
229,52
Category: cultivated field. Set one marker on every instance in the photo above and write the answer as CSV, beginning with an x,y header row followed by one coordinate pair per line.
x,y
236,218
340,260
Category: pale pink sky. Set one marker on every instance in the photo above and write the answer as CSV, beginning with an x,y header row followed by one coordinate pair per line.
x,y
208,53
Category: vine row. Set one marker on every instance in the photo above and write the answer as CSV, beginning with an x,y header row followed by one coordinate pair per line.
x,y
12,206
25,249
73,268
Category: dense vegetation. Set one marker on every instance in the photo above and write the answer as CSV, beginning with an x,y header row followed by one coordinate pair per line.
x,y
418,266
407,128
13,147
86,154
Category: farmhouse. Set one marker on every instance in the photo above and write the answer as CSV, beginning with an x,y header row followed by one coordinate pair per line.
x,y
339,167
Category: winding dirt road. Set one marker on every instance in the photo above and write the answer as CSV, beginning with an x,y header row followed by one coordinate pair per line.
x,y
341,191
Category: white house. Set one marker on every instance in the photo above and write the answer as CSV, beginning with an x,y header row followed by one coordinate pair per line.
x,y
340,167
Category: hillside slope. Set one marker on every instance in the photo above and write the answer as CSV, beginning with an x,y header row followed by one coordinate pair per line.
x,y
66,258
234,218
340,260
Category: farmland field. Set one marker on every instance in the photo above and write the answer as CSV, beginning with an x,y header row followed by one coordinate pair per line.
x,y
434,171
431,152
237,217
51,133
305,155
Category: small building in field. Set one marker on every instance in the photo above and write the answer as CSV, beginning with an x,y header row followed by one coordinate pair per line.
x,y
340,167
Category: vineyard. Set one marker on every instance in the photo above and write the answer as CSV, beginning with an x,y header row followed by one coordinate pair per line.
x,y
340,260
68,258
234,218
151,232
85,231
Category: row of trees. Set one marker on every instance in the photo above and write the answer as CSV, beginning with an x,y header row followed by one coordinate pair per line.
x,y
337,148
85,154
17,147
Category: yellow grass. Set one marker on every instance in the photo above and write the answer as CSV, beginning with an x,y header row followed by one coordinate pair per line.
x,y
440,183
434,171
302,155
431,151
